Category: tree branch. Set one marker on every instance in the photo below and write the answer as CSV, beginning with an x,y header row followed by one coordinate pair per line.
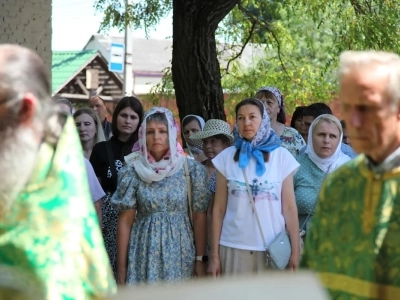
x,y
368,4
253,26
268,29
357,7
279,53
218,9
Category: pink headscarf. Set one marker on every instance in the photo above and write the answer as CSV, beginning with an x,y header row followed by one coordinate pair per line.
x,y
145,165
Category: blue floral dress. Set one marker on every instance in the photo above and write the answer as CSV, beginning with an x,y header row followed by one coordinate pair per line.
x,y
213,182
161,245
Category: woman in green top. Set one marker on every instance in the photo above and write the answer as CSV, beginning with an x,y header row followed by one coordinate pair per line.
x,y
323,155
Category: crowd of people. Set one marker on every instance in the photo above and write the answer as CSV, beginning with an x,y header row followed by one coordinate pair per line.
x,y
103,203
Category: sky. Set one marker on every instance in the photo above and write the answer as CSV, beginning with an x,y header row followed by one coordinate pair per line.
x,y
75,21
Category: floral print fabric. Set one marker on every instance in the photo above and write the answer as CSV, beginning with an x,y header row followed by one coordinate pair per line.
x,y
213,182
292,140
161,245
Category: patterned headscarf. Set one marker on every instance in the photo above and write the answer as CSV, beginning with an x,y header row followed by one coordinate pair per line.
x,y
277,93
145,165
265,140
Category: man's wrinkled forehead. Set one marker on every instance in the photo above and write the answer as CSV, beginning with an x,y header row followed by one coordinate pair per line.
x,y
364,75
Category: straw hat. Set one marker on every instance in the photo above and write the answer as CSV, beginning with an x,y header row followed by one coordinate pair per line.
x,y
213,127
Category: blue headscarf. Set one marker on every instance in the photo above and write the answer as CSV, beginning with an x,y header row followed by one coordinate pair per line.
x,y
265,140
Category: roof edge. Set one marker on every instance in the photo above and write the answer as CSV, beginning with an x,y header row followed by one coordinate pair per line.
x,y
95,54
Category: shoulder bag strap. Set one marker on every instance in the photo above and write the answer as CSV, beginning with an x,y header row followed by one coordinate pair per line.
x,y
189,189
111,162
254,208
308,216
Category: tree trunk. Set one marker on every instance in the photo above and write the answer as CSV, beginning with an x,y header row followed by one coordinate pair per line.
x,y
195,67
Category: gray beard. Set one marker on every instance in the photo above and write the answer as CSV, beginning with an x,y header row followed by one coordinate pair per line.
x,y
18,153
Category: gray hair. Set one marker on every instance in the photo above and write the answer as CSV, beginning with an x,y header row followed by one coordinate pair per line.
x,y
60,100
391,61
22,71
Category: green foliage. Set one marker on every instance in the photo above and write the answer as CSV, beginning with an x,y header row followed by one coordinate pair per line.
x,y
296,58
164,88
357,24
301,84
303,41
300,40
139,14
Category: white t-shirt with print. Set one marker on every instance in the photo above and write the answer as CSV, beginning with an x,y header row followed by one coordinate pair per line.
x,y
239,228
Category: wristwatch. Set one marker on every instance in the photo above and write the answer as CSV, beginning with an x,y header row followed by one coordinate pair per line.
x,y
203,258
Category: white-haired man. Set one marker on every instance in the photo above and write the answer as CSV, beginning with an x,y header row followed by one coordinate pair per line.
x,y
354,240
50,242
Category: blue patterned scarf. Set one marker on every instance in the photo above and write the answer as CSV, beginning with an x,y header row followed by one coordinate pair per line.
x,y
265,140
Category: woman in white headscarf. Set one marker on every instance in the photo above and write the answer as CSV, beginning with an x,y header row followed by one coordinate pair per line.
x,y
323,156
155,239
192,124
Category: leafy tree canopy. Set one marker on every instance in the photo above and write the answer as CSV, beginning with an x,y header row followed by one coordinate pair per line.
x,y
301,41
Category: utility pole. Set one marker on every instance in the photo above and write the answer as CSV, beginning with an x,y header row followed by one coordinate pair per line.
x,y
128,71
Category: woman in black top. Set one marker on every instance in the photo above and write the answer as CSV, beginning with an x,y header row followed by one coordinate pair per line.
x,y
107,158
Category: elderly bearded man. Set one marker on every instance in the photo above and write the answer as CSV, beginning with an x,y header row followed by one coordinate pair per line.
x,y
354,240
50,242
